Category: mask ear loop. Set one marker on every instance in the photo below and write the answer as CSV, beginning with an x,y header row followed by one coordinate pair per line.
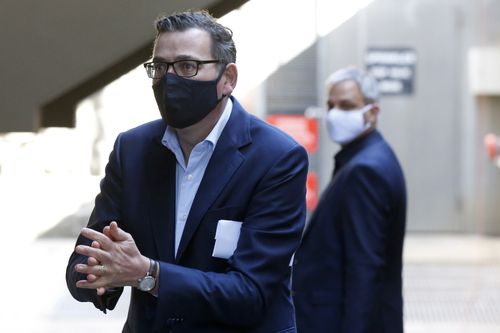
x,y
218,79
221,98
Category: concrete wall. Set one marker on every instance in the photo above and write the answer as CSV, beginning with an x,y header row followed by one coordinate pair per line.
x,y
437,130
424,127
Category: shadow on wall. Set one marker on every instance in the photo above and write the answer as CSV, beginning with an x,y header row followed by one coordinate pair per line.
x,y
71,225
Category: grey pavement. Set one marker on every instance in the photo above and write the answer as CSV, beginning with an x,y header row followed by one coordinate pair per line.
x,y
451,282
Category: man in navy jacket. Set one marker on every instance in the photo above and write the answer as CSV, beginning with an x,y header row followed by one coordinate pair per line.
x,y
199,212
347,271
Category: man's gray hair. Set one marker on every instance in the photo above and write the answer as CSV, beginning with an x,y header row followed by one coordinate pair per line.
x,y
366,83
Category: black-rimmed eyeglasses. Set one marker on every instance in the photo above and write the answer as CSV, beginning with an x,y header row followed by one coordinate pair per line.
x,y
184,68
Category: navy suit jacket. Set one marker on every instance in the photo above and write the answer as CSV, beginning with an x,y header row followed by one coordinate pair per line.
x,y
347,272
256,175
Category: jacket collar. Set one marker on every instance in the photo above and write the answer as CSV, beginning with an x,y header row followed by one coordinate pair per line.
x,y
225,160
352,149
161,164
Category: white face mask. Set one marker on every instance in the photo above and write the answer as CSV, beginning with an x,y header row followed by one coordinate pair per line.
x,y
345,126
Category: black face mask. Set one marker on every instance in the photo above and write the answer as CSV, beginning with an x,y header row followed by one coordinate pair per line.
x,y
184,102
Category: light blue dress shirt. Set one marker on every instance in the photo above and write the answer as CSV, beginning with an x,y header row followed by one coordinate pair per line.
x,y
188,177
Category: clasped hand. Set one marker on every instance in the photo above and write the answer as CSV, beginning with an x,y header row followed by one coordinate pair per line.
x,y
113,259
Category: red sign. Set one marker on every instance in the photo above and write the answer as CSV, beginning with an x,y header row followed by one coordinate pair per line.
x,y
312,191
303,130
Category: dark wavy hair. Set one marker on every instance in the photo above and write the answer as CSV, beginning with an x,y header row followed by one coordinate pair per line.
x,y
223,47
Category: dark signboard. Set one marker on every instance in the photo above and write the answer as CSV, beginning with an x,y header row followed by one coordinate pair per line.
x,y
394,69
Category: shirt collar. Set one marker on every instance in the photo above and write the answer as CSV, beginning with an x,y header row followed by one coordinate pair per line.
x,y
216,132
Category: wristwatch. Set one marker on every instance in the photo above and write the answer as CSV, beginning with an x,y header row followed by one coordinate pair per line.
x,y
148,282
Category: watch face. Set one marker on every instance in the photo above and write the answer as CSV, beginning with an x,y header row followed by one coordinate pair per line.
x,y
147,284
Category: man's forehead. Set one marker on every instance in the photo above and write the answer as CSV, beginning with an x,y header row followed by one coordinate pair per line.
x,y
345,87
193,42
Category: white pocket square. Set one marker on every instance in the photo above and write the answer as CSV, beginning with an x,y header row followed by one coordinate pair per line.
x,y
226,238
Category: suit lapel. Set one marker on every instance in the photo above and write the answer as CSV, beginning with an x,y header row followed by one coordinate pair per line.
x,y
161,165
225,160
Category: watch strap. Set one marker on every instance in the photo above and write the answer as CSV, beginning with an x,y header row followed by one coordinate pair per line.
x,y
152,267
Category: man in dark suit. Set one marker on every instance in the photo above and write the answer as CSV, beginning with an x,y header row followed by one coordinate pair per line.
x,y
347,270
199,212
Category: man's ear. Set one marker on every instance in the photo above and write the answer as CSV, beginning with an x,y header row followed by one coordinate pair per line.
x,y
373,114
230,78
